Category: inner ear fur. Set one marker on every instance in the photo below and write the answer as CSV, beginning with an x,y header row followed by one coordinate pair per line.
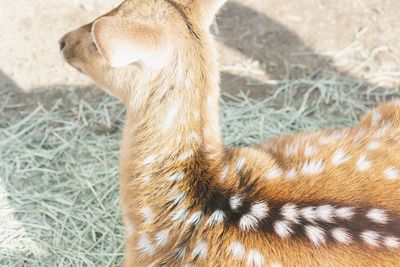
x,y
122,41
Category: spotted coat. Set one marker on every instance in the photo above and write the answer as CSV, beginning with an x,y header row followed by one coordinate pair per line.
x,y
327,198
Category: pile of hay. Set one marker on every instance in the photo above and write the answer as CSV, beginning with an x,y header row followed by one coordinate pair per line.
x,y
59,195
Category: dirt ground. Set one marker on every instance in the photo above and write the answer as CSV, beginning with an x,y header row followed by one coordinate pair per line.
x,y
259,41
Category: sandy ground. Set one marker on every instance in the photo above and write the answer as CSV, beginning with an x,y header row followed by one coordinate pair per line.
x,y
259,40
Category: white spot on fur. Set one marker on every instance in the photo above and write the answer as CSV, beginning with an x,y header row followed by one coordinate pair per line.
x,y
216,218
291,149
178,198
180,214
382,130
258,211
283,229
201,250
325,213
240,164
146,179
371,238
391,242
162,237
177,176
236,250
235,202
255,259
224,173
344,213
340,157
341,235
309,213
391,173
363,163
290,213
144,245
309,151
275,264
374,145
149,160
148,214
170,118
273,173
325,140
378,216
291,174
375,118
185,155
315,234
313,167
195,218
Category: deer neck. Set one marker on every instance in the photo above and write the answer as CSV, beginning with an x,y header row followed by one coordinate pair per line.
x,y
176,129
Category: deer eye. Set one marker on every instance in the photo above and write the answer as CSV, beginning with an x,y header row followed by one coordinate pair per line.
x,y
93,47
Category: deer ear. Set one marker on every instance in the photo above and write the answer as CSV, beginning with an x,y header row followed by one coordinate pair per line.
x,y
206,10
122,41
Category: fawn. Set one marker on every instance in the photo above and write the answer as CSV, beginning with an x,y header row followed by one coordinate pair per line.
x,y
328,198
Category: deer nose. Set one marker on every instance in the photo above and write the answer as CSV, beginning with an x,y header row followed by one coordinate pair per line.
x,y
62,41
62,44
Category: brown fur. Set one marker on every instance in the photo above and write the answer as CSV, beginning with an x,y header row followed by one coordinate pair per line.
x,y
159,58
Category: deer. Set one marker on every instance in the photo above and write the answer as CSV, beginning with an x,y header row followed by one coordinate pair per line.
x,y
321,198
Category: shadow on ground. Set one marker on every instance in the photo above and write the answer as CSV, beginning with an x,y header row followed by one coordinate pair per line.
x,y
256,36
